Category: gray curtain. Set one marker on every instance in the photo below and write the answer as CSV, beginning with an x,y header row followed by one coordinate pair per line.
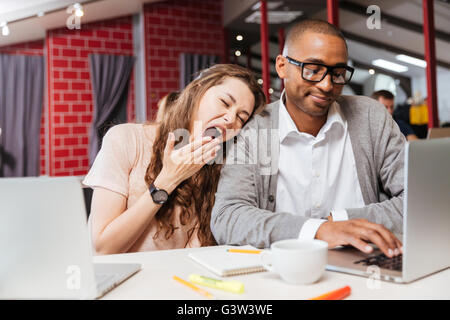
x,y
110,76
21,97
191,64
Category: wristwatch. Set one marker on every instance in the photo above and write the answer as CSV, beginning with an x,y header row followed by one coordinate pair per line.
x,y
159,196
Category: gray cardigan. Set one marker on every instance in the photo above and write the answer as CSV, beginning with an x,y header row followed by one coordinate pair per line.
x,y
244,207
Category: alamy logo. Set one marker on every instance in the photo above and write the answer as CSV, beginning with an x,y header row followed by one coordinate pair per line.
x,y
74,277
253,147
374,21
74,20
373,282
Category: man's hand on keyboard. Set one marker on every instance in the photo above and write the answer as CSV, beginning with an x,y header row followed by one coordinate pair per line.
x,y
359,233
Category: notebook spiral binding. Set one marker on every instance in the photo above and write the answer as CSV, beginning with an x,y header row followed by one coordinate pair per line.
x,y
244,271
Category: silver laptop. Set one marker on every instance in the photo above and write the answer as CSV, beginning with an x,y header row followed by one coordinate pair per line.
x,y
426,221
44,245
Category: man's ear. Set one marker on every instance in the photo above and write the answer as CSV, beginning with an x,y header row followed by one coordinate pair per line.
x,y
280,66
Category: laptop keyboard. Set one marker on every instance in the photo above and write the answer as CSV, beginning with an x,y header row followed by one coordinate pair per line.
x,y
383,261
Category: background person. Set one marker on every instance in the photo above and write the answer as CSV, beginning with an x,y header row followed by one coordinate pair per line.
x,y
386,98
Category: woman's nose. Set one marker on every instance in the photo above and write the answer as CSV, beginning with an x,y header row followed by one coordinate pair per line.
x,y
230,118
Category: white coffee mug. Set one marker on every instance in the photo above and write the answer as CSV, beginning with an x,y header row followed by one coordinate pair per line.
x,y
297,261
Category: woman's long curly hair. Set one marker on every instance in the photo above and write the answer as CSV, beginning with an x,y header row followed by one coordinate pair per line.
x,y
196,194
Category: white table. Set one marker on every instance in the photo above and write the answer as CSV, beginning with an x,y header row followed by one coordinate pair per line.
x,y
155,281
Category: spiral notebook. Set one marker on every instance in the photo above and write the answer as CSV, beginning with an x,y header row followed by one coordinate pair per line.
x,y
224,263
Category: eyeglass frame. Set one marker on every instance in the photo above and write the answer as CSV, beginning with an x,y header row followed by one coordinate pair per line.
x,y
329,68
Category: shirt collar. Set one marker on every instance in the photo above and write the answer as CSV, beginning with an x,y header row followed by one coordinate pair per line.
x,y
286,124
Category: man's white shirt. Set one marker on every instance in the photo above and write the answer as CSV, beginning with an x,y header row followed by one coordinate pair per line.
x,y
316,175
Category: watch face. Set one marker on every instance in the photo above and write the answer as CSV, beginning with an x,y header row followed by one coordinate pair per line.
x,y
160,196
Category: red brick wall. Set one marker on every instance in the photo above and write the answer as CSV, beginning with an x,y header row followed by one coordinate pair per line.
x,y
70,88
173,27
34,48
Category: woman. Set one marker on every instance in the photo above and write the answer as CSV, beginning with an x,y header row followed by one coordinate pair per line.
x,y
151,192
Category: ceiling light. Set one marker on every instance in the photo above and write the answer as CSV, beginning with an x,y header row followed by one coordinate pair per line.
x,y
237,53
274,17
78,10
239,37
270,5
389,65
414,61
79,13
5,29
371,71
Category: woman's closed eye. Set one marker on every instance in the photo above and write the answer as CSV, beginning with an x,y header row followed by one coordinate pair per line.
x,y
225,103
228,105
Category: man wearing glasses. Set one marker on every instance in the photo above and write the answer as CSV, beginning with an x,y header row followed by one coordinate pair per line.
x,y
336,172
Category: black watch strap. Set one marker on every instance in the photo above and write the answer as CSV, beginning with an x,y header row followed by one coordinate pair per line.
x,y
159,196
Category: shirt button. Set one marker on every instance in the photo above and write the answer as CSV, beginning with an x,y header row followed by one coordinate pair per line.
x,y
271,198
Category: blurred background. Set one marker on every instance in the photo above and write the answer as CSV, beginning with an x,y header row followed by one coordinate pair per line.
x,y
69,70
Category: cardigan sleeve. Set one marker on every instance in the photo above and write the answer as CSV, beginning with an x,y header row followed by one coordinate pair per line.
x,y
384,167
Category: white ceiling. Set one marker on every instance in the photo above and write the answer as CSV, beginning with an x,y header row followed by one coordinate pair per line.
x,y
11,10
34,28
9,6
393,35
365,54
411,10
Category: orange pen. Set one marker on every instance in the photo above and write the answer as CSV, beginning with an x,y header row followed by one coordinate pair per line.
x,y
194,287
338,294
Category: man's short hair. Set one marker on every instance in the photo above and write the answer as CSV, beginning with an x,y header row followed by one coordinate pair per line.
x,y
311,25
382,93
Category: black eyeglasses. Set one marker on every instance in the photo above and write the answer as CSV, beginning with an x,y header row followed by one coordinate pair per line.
x,y
316,72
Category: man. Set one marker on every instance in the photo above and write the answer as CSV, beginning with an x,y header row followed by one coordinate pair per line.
x,y
331,167
386,98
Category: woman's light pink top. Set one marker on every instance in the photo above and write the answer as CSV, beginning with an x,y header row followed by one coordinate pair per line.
x,y
120,167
